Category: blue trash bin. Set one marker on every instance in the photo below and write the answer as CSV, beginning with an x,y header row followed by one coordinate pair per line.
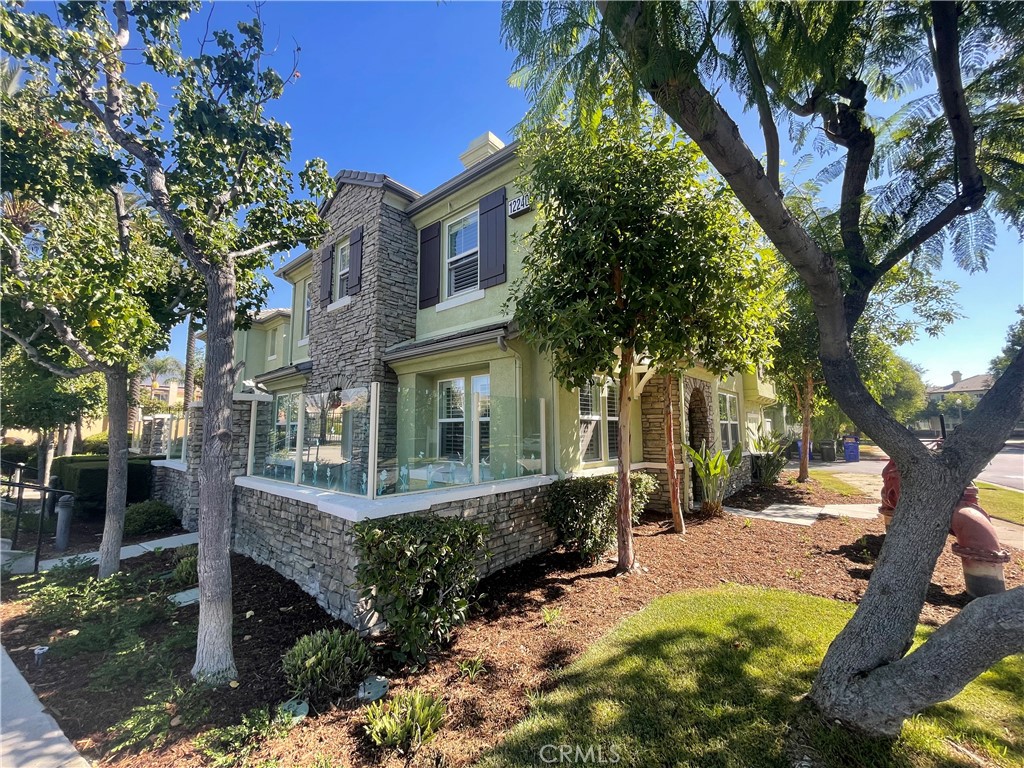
x,y
851,448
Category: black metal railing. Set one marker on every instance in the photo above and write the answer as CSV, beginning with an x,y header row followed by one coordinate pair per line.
x,y
14,488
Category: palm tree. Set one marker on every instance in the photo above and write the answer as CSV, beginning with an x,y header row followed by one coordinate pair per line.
x,y
166,367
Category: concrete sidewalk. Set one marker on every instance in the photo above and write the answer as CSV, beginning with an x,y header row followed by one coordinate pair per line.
x,y
29,736
132,550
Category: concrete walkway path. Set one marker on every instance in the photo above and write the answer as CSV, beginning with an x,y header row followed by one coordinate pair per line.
x,y
29,736
132,550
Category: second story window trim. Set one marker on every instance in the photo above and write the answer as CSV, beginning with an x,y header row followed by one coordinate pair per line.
x,y
341,269
462,256
307,311
272,344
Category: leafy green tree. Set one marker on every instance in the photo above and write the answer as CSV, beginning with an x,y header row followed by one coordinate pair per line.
x,y
930,178
212,164
35,399
636,253
906,396
1014,344
957,405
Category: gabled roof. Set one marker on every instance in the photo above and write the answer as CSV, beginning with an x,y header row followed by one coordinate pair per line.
x,y
356,178
269,314
468,176
977,383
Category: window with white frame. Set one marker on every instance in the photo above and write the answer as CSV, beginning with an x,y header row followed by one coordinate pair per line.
x,y
463,254
612,408
272,344
451,419
590,421
341,268
481,385
729,420
307,303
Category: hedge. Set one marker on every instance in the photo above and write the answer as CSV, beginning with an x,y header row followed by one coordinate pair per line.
x,y
87,480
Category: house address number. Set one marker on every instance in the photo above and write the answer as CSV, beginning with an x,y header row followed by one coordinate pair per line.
x,y
517,206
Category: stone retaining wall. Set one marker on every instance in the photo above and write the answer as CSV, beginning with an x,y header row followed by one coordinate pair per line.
x,y
171,486
316,549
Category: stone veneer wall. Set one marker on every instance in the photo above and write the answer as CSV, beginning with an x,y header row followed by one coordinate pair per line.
x,y
347,343
316,549
180,488
652,419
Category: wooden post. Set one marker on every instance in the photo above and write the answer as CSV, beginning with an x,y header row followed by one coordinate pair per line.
x,y
670,460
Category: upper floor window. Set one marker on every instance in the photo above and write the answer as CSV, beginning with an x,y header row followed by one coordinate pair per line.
x,y
463,255
729,420
590,422
342,261
307,303
272,344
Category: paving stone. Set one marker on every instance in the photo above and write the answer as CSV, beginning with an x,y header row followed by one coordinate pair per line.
x,y
859,511
188,597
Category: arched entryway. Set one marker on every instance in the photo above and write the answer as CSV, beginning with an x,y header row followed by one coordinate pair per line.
x,y
698,426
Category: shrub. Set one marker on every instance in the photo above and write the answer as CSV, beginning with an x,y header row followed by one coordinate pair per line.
x,y
18,453
233,743
769,456
68,603
186,571
714,470
149,517
324,666
420,572
406,722
150,723
582,510
86,478
98,443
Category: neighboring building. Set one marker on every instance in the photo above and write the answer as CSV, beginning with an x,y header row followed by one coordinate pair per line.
x,y
398,383
976,386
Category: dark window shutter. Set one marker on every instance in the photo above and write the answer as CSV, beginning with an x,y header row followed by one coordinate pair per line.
x,y
492,239
326,275
430,265
355,261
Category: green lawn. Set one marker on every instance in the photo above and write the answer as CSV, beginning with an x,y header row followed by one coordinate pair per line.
x,y
713,678
830,482
1004,503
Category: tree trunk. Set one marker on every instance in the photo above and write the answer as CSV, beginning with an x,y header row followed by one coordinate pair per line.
x,y
670,460
624,511
190,364
44,459
67,440
79,445
806,403
134,393
117,470
215,661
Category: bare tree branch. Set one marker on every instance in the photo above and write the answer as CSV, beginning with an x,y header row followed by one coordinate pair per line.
x,y
254,250
34,355
951,90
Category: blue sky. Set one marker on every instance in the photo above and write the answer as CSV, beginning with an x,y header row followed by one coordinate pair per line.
x,y
401,89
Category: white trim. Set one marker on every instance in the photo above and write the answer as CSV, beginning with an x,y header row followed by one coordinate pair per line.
x,y
344,301
272,357
250,457
302,342
371,475
356,508
300,437
176,464
258,396
465,297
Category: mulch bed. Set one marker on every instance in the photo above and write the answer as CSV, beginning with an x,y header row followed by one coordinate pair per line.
x,y
788,491
831,558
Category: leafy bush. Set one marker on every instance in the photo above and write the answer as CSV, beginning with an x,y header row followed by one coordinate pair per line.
x,y
582,510
97,443
714,470
146,517
769,456
186,571
231,744
150,723
18,454
324,666
406,722
86,478
68,603
420,572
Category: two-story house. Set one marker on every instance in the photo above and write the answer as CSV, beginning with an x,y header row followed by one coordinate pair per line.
x,y
398,383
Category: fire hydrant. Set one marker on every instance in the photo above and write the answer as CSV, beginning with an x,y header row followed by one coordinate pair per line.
x,y
977,544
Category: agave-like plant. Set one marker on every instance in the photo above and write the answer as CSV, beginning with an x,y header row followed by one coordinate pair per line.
x,y
714,470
